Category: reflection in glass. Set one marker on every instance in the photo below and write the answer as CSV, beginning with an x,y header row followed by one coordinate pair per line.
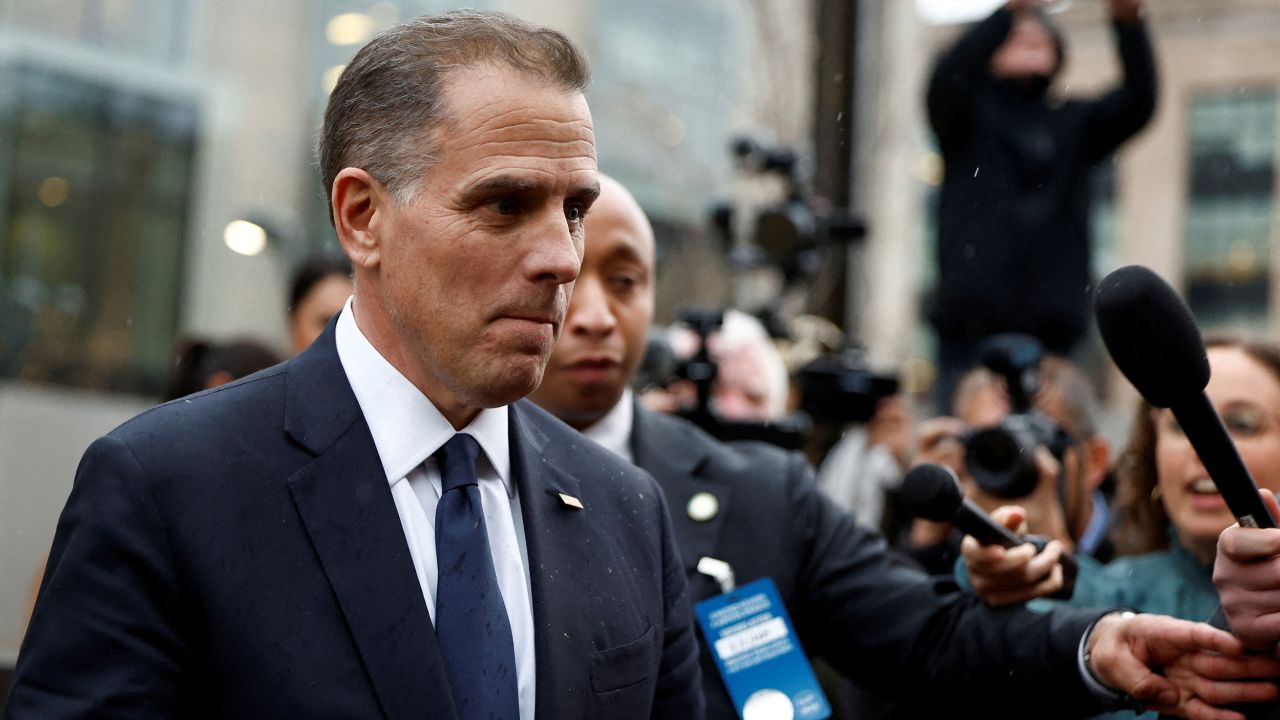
x,y
93,225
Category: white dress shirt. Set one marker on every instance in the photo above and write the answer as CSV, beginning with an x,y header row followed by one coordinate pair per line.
x,y
407,430
613,431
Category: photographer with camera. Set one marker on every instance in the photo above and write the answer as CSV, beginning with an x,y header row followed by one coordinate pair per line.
x,y
862,433
1025,432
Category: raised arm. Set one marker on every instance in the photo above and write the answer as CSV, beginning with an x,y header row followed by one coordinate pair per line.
x,y
958,70
1119,114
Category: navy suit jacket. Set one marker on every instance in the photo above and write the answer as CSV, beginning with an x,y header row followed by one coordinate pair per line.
x,y
874,617
237,554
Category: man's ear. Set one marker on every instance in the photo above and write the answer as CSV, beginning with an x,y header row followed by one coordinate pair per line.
x,y
359,202
1098,452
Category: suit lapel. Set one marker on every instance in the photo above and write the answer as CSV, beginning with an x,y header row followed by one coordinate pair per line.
x,y
346,506
555,534
675,458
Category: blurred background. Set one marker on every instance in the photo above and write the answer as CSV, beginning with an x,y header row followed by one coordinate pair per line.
x,y
157,182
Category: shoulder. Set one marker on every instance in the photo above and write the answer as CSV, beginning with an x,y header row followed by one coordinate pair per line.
x,y
240,397
242,412
561,445
1145,582
739,462
1138,567
758,457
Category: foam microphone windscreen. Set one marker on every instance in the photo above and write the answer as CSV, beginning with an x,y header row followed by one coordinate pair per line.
x,y
932,492
1151,336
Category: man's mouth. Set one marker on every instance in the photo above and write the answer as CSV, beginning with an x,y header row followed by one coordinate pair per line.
x,y
594,362
594,368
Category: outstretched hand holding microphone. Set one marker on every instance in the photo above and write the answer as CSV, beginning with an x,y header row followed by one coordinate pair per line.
x,y
1005,564
1160,663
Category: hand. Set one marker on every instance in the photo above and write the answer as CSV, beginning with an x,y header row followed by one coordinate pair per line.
x,y
1004,576
1202,666
1126,10
1247,575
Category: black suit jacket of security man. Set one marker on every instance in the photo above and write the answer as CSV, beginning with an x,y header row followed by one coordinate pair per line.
x,y
875,618
237,554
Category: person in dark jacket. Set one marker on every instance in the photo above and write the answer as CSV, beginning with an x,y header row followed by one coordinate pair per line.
x,y
1013,217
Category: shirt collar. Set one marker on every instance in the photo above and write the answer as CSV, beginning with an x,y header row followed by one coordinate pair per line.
x,y
406,427
613,431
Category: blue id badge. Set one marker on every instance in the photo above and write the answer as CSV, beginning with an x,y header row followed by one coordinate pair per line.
x,y
755,647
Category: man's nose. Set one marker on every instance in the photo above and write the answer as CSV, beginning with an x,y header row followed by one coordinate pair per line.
x,y
589,312
557,253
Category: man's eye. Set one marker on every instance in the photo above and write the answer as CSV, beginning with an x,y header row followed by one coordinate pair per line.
x,y
574,213
507,206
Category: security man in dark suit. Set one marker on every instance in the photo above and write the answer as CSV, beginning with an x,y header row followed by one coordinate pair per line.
x,y
380,528
756,509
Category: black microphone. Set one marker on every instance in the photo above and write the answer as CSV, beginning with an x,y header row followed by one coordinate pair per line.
x,y
1155,342
932,492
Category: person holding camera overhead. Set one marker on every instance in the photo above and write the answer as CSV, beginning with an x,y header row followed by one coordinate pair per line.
x,y
744,512
1013,243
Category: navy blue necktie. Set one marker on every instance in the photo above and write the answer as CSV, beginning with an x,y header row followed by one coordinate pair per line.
x,y
471,619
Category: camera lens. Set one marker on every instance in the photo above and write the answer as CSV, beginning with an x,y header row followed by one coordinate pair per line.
x,y
1001,463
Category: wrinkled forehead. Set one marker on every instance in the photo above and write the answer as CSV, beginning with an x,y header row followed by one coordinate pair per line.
x,y
503,127
496,98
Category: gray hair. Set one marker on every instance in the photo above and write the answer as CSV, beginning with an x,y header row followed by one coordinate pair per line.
x,y
389,100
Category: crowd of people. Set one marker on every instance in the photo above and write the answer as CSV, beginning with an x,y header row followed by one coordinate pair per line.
x,y
456,502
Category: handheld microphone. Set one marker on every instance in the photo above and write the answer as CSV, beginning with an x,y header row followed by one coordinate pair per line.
x,y
932,492
1153,339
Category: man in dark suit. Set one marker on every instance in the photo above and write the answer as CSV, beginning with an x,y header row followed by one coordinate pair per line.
x,y
756,508
378,528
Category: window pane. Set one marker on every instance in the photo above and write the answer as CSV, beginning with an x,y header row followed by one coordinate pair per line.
x,y
149,29
93,231
1232,207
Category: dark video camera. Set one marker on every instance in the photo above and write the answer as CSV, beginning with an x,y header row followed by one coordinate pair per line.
x,y
660,368
1001,459
795,235
840,389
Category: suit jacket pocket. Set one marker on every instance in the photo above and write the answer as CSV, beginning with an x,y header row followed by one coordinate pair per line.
x,y
625,665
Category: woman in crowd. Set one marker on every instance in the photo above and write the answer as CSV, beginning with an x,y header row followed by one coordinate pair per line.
x,y
1168,511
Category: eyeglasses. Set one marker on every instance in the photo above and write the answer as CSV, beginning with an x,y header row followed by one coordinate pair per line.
x,y
1242,420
